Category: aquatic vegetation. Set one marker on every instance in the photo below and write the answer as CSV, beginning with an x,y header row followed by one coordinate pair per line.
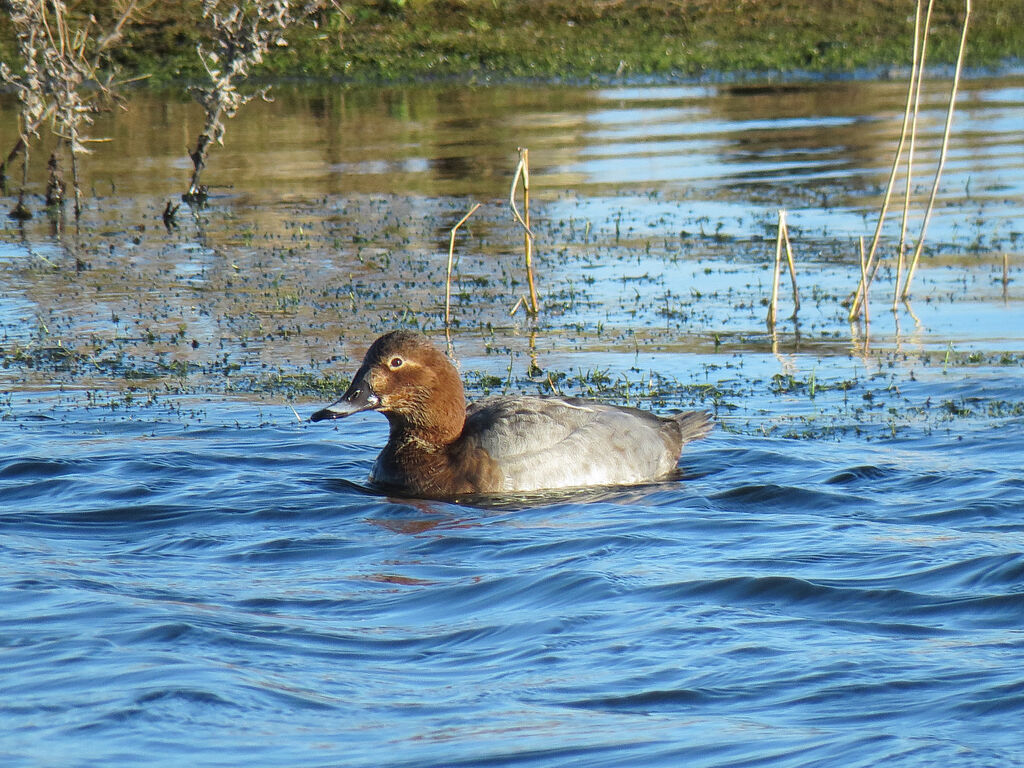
x,y
908,134
523,172
651,292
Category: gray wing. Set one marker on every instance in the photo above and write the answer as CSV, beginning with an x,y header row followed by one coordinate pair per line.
x,y
551,442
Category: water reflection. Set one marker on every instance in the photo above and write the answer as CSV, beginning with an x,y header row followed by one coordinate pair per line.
x,y
654,207
317,140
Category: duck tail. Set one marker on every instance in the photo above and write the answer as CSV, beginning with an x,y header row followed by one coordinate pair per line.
x,y
693,425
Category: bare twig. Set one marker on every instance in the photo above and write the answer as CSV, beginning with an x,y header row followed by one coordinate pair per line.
x,y
55,187
242,35
57,59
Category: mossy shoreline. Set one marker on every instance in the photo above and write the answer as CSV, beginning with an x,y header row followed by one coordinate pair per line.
x,y
493,40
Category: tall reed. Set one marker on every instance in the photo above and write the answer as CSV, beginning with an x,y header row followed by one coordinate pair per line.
x,y
451,257
872,259
905,293
909,129
523,172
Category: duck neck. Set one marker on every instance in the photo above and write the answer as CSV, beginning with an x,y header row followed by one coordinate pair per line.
x,y
437,426
430,436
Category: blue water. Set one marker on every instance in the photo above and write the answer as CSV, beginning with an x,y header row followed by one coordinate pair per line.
x,y
202,579
204,582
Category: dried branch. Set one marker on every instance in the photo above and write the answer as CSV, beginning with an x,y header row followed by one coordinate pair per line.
x,y
57,59
242,34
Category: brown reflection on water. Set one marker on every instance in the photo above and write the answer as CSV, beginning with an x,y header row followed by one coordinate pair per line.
x,y
331,210
324,140
319,140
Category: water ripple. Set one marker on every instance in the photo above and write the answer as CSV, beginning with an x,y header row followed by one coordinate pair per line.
x,y
210,581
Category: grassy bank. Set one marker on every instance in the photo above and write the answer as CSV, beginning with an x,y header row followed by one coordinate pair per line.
x,y
369,40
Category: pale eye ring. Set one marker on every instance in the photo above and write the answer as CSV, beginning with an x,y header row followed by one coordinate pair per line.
x,y
396,362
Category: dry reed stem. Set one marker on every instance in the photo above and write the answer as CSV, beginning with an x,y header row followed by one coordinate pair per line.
x,y
921,58
776,269
872,262
523,171
943,152
792,264
864,279
451,256
528,238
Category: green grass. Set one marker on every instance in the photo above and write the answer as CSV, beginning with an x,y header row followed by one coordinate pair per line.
x,y
369,40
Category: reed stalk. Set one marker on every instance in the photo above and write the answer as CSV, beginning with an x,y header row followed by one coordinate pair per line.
x,y
864,279
784,226
921,58
523,171
776,269
451,257
872,261
905,294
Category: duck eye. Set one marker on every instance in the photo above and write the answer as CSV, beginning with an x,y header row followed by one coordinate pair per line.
x,y
396,362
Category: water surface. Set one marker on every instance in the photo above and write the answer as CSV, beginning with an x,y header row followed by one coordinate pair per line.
x,y
190,570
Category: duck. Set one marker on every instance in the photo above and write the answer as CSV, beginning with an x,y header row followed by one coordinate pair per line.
x,y
440,448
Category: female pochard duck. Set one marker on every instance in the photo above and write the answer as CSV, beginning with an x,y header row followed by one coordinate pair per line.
x,y
438,448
